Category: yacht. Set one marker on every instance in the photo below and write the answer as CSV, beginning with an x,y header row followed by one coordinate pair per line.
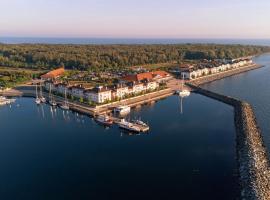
x,y
104,119
65,106
122,109
52,102
183,92
129,126
5,101
42,98
38,101
139,122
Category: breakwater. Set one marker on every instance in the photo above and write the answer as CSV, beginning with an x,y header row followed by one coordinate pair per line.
x,y
253,162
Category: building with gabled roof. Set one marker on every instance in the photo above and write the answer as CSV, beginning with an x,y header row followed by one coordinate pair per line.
x,y
149,76
53,74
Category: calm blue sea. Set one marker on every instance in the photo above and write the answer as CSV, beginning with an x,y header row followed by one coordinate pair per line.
x,y
18,40
253,87
55,154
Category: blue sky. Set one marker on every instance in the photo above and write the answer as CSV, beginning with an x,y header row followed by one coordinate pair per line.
x,y
136,18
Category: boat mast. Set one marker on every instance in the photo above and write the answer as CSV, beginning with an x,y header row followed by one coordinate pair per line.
x,y
41,95
183,79
65,97
50,92
36,92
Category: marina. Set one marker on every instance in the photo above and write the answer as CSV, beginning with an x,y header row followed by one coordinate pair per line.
x,y
87,153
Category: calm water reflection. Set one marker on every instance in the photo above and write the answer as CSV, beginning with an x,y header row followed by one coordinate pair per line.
x,y
54,154
253,87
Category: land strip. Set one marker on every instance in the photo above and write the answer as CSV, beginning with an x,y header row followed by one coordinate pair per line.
x,y
221,75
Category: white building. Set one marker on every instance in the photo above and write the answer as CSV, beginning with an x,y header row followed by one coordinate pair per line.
x,y
99,94
77,91
61,88
137,88
151,85
121,91
196,73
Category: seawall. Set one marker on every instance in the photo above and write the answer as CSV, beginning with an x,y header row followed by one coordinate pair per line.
x,y
253,163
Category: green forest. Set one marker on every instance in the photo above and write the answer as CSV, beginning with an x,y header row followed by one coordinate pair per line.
x,y
114,57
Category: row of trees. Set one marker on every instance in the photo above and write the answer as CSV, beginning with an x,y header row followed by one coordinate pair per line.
x,y
114,57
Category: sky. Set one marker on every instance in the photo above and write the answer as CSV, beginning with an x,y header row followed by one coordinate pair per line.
x,y
135,18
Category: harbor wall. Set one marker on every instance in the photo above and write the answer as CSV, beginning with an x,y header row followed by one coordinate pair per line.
x,y
253,161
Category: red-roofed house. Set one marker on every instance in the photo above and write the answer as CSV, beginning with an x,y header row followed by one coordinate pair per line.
x,y
53,74
155,75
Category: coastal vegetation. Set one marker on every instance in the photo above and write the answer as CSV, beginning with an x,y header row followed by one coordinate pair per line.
x,y
10,77
100,58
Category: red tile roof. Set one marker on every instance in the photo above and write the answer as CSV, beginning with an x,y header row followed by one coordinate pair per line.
x,y
54,74
145,76
163,74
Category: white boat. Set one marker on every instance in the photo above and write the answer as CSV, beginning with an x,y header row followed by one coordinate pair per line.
x,y
42,98
38,101
5,101
139,122
183,92
122,109
129,126
52,102
65,106
104,119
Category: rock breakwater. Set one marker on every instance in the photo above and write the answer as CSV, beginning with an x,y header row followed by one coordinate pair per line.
x,y
253,162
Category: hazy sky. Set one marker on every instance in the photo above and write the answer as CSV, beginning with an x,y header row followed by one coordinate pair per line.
x,y
136,18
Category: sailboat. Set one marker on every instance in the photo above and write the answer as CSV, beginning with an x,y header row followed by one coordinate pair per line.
x,y
183,92
42,98
38,101
52,101
65,106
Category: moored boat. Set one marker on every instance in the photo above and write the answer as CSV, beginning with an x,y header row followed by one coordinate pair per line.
x,y
129,126
52,103
42,98
139,122
5,101
38,101
122,110
183,92
104,119
65,106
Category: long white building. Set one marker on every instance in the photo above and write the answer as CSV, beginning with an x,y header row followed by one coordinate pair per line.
x,y
194,73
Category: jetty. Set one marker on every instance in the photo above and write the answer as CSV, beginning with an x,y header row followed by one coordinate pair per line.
x,y
253,160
